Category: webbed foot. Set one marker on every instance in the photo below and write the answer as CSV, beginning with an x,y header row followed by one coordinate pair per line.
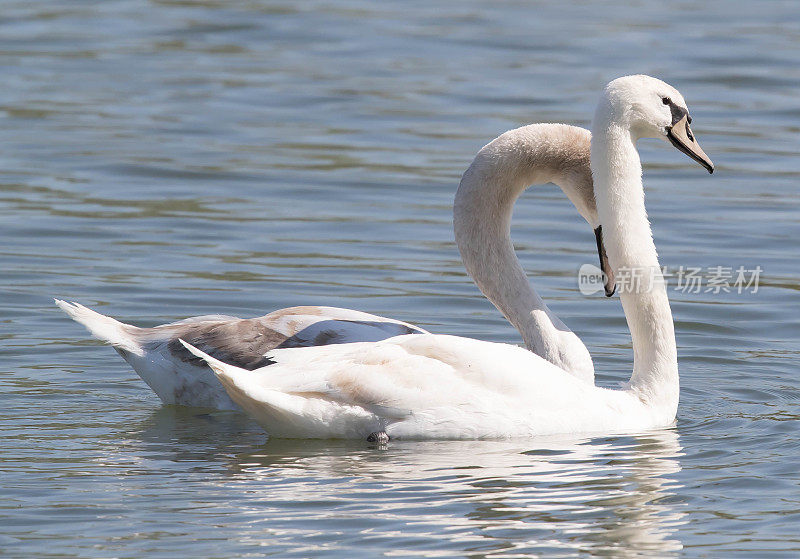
x,y
379,437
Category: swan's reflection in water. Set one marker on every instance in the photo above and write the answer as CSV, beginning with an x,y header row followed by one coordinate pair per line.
x,y
608,495
557,497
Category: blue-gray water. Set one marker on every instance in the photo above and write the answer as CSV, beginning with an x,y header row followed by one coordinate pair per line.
x,y
171,158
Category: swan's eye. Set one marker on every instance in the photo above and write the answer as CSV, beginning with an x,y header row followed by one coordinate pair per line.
x,y
666,100
689,119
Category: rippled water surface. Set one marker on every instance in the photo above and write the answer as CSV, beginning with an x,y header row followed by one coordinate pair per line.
x,y
171,158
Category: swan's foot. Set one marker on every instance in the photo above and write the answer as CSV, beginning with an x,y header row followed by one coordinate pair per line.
x,y
379,437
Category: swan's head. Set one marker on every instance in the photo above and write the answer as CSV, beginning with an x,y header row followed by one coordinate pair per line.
x,y
651,108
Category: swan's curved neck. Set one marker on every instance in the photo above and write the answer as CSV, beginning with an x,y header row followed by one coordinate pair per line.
x,y
628,239
483,206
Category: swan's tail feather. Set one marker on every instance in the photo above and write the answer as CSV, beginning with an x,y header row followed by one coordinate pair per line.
x,y
121,336
285,414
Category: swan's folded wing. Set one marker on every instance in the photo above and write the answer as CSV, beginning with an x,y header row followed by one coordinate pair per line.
x,y
245,342
414,372
426,385
293,388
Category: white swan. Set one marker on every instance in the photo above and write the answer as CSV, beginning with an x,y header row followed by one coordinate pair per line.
x,y
537,153
435,386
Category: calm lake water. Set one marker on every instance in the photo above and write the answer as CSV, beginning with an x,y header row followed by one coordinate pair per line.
x,y
165,159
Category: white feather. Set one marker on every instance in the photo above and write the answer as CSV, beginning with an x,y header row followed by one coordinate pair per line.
x,y
103,327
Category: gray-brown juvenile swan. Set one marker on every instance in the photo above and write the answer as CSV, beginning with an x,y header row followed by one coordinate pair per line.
x,y
427,386
534,154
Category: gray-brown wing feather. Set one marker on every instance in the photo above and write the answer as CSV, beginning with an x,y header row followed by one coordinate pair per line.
x,y
245,342
241,342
